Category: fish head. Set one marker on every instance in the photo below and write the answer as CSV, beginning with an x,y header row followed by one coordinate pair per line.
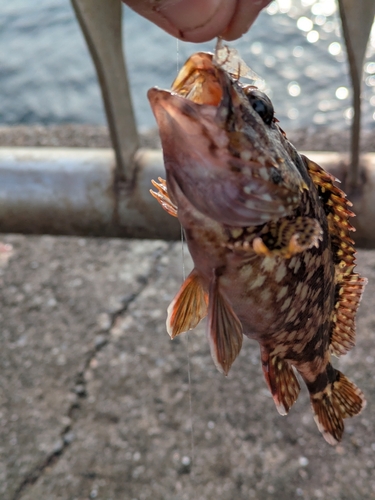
x,y
223,148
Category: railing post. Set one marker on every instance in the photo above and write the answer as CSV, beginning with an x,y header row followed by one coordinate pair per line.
x,y
357,17
100,22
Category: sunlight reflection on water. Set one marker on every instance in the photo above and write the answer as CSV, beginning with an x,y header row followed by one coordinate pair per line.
x,y
295,45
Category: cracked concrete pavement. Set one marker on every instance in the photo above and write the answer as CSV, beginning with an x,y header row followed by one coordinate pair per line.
x,y
96,397
47,355
95,400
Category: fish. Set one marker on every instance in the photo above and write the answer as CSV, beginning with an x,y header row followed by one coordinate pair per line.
x,y
269,234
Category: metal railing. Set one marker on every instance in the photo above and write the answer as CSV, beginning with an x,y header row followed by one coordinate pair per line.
x,y
356,19
104,192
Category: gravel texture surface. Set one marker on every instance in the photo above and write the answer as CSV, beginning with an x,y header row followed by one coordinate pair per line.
x,y
97,402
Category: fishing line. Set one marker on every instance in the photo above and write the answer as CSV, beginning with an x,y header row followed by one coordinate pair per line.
x,y
177,55
183,254
187,333
188,362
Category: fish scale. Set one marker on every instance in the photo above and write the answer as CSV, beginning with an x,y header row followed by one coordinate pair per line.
x,y
269,234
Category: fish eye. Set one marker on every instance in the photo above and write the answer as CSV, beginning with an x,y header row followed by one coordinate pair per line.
x,y
261,104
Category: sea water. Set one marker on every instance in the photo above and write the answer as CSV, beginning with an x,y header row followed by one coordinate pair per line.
x,y
47,76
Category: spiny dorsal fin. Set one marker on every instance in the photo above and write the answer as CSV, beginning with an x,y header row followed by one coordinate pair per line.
x,y
349,284
281,380
224,329
349,294
188,307
336,207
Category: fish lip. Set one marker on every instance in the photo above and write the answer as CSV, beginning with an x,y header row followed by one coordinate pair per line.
x,y
158,96
166,102
154,95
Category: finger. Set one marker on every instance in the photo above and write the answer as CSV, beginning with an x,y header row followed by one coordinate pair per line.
x,y
189,20
245,14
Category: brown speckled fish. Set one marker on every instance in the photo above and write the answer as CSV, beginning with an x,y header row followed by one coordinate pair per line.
x,y
269,235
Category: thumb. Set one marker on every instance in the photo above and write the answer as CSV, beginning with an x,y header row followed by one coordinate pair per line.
x,y
189,20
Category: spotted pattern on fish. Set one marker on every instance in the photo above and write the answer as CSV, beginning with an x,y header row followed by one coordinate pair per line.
x,y
269,234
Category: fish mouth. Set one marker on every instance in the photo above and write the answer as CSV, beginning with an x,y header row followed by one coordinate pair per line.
x,y
196,107
199,86
200,80
207,95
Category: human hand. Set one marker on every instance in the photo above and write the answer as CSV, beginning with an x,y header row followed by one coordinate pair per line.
x,y
200,20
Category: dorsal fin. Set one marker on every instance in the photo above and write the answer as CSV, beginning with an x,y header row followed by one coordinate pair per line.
x,y
349,285
336,207
348,296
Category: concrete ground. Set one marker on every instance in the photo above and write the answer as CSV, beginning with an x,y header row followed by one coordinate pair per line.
x,y
97,402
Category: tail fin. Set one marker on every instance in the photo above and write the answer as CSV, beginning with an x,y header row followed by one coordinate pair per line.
x,y
339,400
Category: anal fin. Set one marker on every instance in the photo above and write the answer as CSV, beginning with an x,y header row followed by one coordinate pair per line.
x,y
340,399
188,307
224,329
281,380
350,291
162,196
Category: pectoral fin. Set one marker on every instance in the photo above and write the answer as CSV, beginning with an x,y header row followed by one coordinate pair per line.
x,y
188,307
289,237
224,330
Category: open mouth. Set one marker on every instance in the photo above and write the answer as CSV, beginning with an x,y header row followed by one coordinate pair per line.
x,y
199,80
204,81
197,105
